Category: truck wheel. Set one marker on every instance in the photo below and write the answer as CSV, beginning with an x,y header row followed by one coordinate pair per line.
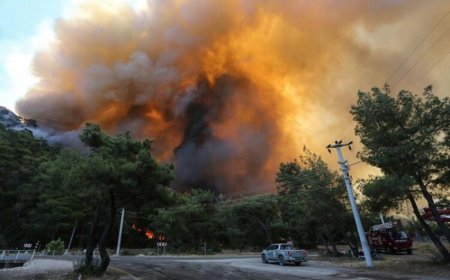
x,y
298,263
409,252
391,251
281,260
264,258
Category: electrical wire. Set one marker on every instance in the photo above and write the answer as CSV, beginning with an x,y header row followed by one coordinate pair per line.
x,y
439,60
224,203
418,45
421,57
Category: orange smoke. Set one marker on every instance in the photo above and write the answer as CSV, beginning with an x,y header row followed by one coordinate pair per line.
x,y
228,89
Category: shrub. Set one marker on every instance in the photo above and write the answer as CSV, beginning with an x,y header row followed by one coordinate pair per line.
x,y
55,247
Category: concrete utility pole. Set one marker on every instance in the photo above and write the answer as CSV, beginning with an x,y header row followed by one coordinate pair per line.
x,y
348,184
381,218
119,239
71,238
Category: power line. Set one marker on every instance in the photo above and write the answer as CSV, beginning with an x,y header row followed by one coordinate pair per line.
x,y
417,46
344,131
421,57
226,202
439,60
355,163
219,205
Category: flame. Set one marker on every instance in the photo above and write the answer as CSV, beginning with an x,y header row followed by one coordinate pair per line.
x,y
161,237
227,89
149,234
136,228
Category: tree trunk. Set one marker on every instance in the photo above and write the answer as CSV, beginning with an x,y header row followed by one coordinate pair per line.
x,y
326,245
266,231
91,242
437,242
437,217
102,242
82,233
335,250
352,244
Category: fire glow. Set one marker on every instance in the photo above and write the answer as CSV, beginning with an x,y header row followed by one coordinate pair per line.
x,y
148,233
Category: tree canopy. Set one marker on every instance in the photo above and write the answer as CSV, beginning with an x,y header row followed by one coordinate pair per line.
x,y
21,156
312,190
407,137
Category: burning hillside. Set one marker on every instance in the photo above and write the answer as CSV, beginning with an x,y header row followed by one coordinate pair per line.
x,y
227,89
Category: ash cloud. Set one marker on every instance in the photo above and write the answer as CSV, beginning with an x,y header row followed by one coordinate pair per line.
x,y
227,89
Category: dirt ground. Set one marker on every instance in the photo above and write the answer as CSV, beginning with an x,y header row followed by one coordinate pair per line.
x,y
421,265
51,269
423,262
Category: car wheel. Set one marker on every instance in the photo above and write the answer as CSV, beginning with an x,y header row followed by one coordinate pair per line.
x,y
281,260
409,252
298,263
264,258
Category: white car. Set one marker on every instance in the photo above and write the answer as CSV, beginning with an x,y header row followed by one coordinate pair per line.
x,y
283,253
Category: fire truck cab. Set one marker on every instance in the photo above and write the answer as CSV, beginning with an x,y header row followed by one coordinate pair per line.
x,y
389,238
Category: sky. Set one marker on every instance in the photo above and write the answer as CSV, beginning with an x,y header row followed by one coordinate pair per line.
x,y
25,26
234,86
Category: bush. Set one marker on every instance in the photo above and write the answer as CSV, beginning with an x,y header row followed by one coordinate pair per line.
x,y
55,247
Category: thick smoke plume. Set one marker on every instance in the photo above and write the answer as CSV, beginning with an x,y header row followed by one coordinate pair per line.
x,y
228,89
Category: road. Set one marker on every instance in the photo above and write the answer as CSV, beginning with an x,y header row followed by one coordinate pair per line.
x,y
238,267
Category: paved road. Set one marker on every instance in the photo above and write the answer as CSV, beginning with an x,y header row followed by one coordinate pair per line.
x,y
237,268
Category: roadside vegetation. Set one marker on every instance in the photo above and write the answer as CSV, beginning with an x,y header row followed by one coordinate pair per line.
x,y
47,190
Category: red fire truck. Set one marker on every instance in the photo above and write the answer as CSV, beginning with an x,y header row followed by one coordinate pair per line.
x,y
445,214
389,238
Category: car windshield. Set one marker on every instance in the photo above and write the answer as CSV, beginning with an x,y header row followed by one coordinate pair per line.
x,y
398,235
286,247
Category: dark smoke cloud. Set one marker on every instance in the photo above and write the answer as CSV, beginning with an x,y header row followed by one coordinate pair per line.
x,y
205,160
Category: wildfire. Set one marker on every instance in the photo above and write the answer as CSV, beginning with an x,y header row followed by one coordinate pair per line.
x,y
148,233
227,89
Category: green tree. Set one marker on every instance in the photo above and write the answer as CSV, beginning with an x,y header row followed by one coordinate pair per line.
x,y
21,156
385,193
56,198
55,246
252,221
408,136
191,223
117,171
121,172
313,201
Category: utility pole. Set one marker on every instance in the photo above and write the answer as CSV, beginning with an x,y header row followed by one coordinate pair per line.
x,y
119,239
381,218
348,184
71,238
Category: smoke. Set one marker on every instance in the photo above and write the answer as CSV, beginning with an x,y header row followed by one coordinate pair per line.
x,y
227,89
